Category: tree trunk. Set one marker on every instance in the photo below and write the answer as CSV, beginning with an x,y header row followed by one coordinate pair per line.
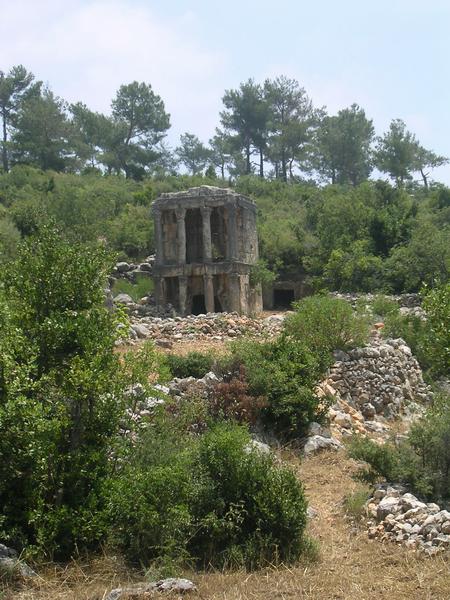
x,y
283,165
261,163
5,139
291,174
425,178
247,157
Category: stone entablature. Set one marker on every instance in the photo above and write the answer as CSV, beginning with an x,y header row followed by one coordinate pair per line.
x,y
206,243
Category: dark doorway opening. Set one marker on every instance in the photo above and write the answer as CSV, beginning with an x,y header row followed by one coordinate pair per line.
x,y
194,236
198,305
172,291
283,298
217,305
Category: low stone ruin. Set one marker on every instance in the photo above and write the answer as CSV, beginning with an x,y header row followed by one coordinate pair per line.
x,y
371,386
400,517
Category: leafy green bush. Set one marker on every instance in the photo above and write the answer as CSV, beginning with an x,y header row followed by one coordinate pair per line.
x,y
9,238
422,461
261,274
381,459
210,501
58,387
383,306
285,372
429,340
424,259
437,331
132,231
193,364
353,270
324,324
143,287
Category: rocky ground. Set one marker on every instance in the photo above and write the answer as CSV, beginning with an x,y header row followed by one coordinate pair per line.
x,y
215,327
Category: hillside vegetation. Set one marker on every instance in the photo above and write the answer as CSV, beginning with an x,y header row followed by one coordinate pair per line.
x,y
370,237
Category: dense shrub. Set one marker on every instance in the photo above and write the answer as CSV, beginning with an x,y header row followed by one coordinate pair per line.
x,y
285,372
58,380
193,364
422,461
324,324
353,270
9,238
212,501
424,259
383,306
429,340
437,333
62,393
231,400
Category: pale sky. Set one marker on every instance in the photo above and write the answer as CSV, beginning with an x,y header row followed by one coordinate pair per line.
x,y
390,56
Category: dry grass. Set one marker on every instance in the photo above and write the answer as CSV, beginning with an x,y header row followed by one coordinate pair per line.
x,y
351,567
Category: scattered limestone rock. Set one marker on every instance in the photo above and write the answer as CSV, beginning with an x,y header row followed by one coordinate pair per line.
x,y
11,565
217,326
123,299
141,591
401,517
316,443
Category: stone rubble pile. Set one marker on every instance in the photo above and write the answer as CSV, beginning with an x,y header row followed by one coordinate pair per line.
x,y
131,271
373,385
403,300
213,326
400,517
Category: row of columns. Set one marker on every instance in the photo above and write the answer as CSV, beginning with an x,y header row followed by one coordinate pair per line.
x,y
206,211
208,290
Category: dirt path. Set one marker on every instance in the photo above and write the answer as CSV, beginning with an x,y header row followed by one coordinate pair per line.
x,y
350,567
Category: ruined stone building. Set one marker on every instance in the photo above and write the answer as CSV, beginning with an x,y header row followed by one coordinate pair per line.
x,y
206,244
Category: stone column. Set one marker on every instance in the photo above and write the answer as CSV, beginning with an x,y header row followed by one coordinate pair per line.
x,y
209,292
206,230
159,248
159,290
181,235
234,292
232,232
182,294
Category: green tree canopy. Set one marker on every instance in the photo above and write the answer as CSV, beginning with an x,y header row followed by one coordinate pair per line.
x,y
292,119
192,154
246,115
396,152
140,122
44,136
343,146
15,86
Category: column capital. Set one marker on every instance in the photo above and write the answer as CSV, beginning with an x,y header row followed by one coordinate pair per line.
x,y
206,210
180,213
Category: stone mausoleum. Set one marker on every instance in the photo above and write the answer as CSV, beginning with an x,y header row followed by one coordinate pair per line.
x,y
206,244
